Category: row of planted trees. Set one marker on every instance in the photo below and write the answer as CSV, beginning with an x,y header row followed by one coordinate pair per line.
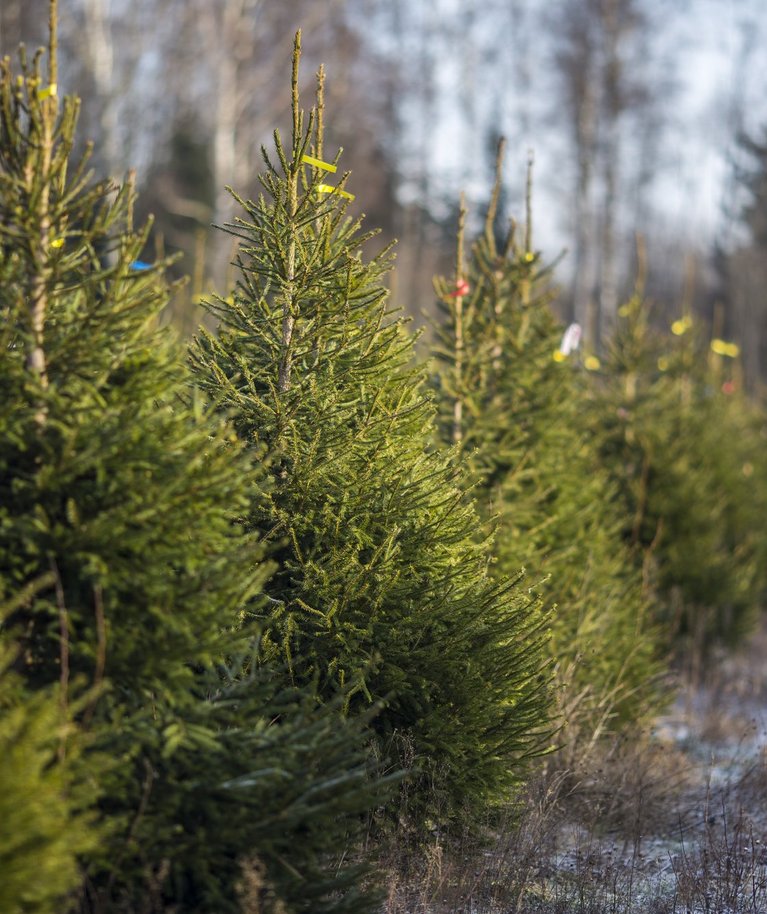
x,y
262,601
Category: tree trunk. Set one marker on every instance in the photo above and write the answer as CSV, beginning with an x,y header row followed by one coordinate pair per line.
x,y
608,298
100,55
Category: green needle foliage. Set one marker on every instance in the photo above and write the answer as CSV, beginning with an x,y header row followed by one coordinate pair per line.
x,y
121,495
40,831
684,448
382,587
249,798
43,823
513,412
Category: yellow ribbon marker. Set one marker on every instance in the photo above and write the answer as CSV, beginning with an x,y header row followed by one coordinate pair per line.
x,y
318,163
681,326
721,347
592,363
57,243
48,92
329,189
559,356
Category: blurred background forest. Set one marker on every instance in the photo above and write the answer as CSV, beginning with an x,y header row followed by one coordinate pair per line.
x,y
645,118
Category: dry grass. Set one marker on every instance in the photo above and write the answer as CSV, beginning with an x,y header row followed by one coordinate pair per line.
x,y
725,872
669,822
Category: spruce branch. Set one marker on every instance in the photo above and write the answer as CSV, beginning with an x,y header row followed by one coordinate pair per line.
x,y
458,323
492,209
529,203
320,127
525,285
39,268
497,274
288,303
53,43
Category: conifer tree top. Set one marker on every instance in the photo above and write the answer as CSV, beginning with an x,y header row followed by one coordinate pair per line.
x,y
382,589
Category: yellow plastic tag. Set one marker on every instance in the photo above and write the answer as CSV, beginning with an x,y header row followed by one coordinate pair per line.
x,y
329,189
57,243
721,347
318,163
681,326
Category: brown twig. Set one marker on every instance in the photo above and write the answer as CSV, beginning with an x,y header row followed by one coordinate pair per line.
x,y
101,652
143,803
63,648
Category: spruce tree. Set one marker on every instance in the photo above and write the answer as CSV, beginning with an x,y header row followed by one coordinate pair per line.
x,y
122,495
509,402
382,586
682,444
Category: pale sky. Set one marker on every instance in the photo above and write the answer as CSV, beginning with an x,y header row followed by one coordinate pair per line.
x,y
718,52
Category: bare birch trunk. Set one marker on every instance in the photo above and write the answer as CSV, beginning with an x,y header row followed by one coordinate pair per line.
x,y
458,319
584,306
613,79
101,60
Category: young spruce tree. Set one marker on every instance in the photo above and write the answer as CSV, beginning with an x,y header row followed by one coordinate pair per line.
x,y
512,410
382,586
684,447
118,500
